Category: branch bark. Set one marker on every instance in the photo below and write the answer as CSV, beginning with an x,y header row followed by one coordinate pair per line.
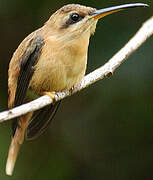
x,y
139,38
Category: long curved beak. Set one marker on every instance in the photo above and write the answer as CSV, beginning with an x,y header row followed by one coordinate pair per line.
x,y
106,11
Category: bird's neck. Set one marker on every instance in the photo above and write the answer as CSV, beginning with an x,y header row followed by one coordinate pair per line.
x,y
77,46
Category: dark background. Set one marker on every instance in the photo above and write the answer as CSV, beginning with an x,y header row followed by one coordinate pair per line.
x,y
106,130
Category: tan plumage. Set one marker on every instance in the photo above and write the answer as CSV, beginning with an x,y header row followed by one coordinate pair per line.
x,y
53,58
60,65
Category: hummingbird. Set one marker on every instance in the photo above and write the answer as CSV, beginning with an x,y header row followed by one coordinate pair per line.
x,y
51,59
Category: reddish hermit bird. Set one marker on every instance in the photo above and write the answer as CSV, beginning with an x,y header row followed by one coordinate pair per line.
x,y
52,58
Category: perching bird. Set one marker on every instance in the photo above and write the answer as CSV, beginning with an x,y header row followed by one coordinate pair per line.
x,y
51,59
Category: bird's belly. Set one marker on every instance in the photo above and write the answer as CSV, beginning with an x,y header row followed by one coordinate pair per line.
x,y
56,76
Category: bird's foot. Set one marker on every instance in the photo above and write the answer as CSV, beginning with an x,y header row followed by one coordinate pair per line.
x,y
50,94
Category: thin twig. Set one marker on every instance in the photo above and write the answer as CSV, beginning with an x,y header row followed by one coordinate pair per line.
x,y
140,37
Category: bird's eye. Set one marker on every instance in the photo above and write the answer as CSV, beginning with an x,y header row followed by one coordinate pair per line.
x,y
75,17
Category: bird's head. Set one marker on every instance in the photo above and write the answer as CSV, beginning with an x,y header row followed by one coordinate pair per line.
x,y
73,20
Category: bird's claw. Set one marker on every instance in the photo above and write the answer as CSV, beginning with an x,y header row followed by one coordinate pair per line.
x,y
50,94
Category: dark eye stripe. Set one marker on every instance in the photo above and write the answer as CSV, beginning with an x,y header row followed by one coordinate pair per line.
x,y
71,21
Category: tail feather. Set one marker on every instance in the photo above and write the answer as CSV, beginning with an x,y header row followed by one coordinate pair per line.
x,y
16,142
38,123
12,155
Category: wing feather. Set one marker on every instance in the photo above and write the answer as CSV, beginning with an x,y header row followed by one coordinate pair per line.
x,y
40,121
27,63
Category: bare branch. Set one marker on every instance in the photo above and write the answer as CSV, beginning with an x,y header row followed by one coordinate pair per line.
x,y
140,37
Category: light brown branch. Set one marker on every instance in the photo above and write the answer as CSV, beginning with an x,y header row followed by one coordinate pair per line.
x,y
139,38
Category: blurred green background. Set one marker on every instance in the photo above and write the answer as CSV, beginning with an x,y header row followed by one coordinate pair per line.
x,y
106,130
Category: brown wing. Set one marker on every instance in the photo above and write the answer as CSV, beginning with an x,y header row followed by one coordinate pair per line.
x,y
22,73
26,70
19,59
